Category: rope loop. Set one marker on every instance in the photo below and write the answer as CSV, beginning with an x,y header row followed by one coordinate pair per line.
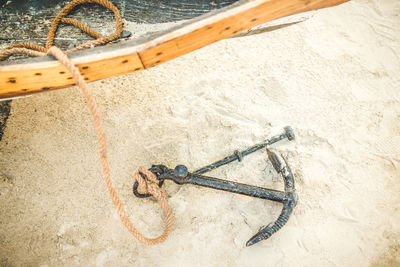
x,y
38,50
101,40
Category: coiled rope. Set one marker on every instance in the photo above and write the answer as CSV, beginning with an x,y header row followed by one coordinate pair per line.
x,y
147,180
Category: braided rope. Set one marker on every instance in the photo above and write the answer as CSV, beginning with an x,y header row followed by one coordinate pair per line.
x,y
61,17
149,185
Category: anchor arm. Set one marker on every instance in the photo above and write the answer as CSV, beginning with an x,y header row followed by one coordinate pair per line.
x,y
288,206
274,227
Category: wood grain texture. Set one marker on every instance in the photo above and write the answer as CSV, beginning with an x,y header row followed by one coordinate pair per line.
x,y
116,59
33,80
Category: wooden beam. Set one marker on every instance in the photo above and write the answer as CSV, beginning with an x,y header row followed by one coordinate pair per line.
x,y
43,74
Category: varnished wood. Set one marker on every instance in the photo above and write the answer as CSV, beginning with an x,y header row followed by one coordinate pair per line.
x,y
43,74
19,81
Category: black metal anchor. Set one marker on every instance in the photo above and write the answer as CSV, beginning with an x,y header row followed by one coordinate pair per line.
x,y
288,198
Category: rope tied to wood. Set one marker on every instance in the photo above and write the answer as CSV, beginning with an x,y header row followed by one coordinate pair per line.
x,y
149,182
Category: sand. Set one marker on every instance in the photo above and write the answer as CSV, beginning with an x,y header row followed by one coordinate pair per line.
x,y
334,78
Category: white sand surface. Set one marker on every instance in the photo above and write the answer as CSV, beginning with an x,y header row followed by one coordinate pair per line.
x,y
335,78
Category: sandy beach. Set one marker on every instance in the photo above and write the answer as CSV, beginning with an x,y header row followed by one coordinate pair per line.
x,y
334,78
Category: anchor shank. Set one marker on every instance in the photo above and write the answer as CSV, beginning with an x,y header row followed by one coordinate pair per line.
x,y
230,186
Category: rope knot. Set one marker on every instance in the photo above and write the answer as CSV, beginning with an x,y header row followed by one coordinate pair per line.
x,y
148,183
